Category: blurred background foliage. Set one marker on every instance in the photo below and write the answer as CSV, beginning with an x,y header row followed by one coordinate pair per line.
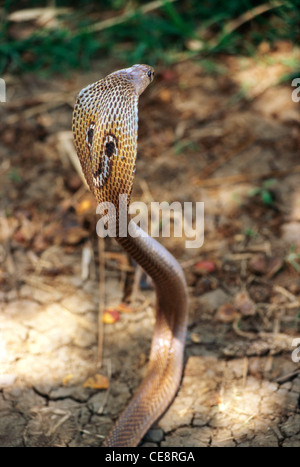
x,y
68,34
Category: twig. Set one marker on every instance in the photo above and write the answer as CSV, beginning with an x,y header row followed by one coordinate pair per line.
x,y
292,298
7,256
38,109
101,409
239,332
136,283
66,416
249,15
288,377
211,168
243,178
44,98
101,256
146,191
121,258
292,305
86,258
238,256
245,371
66,148
108,23
31,14
231,26
36,284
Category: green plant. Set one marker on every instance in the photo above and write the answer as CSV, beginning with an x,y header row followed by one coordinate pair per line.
x,y
142,31
265,193
248,232
181,146
15,176
293,258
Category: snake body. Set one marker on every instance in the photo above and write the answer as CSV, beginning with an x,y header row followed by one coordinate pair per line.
x,y
105,124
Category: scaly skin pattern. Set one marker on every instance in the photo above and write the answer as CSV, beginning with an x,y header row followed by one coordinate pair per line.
x,y
105,124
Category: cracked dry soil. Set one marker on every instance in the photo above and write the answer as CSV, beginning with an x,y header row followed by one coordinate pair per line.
x,y
240,386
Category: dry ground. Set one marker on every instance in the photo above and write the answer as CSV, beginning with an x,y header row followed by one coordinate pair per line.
x,y
202,137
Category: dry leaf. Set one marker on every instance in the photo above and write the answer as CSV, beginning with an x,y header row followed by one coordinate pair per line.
x,y
110,316
226,313
165,95
244,303
258,264
74,235
274,266
96,382
84,206
124,308
204,267
66,379
195,338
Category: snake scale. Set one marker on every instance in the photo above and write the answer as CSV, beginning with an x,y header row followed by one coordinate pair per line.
x,y
105,125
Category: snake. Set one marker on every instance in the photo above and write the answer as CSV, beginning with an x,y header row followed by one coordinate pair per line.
x,y
105,131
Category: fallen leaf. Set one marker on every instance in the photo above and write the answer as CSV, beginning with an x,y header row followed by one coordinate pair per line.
x,y
262,265
204,267
260,292
165,95
274,266
195,338
84,206
226,313
124,308
66,379
110,316
96,382
25,234
244,303
258,264
74,235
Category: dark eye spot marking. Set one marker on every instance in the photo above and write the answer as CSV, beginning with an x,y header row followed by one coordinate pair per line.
x,y
102,165
110,148
90,135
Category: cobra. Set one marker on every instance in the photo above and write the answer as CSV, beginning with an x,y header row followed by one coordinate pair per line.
x,y
105,125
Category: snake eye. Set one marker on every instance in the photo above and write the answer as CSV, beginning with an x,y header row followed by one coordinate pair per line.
x,y
150,74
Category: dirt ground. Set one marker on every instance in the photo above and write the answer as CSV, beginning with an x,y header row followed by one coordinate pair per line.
x,y
229,138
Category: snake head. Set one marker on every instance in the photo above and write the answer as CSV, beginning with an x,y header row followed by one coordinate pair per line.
x,y
139,75
105,125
